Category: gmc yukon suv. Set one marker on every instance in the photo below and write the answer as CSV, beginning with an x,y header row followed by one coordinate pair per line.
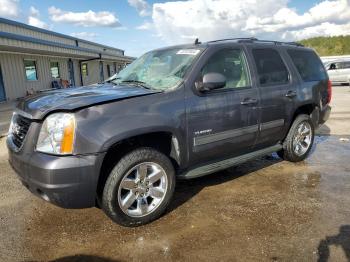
x,y
175,113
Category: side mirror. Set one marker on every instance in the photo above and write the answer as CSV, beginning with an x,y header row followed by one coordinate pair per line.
x,y
211,81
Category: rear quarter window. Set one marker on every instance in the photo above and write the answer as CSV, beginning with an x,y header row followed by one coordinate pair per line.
x,y
308,65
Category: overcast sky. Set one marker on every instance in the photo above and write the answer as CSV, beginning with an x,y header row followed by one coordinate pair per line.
x,y
140,25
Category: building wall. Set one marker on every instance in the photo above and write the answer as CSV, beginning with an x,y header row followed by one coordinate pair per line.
x,y
101,49
16,84
93,76
31,33
14,78
20,30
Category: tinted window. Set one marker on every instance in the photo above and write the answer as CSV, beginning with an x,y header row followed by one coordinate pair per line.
x,y
30,69
232,64
271,69
308,65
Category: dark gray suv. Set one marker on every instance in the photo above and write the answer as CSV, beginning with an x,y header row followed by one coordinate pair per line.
x,y
178,112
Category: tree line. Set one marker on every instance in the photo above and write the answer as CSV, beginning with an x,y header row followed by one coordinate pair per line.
x,y
329,46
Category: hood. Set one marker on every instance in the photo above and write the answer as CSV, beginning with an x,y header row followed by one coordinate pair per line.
x,y
70,99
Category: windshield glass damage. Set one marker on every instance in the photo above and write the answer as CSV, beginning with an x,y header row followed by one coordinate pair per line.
x,y
160,69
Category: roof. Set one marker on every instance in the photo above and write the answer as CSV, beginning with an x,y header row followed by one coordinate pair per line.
x,y
249,40
40,30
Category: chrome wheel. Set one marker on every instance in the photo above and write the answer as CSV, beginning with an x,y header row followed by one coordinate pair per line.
x,y
302,139
142,189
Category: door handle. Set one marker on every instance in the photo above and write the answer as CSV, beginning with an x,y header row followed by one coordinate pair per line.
x,y
291,94
249,101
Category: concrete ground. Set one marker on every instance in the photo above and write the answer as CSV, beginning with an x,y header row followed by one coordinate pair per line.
x,y
264,210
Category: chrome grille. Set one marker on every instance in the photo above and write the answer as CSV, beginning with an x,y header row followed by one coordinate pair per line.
x,y
19,129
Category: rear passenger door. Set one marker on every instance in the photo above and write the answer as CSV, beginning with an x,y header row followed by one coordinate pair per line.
x,y
276,94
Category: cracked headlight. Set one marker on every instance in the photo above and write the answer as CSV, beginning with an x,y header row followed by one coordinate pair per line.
x,y
57,134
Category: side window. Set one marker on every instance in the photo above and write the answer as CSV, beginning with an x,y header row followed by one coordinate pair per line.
x,y
232,64
346,65
339,65
270,66
309,65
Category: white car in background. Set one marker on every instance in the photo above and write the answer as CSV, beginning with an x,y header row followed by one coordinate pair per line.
x,y
339,71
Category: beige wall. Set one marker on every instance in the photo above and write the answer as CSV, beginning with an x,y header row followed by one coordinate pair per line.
x,y
31,33
15,29
15,82
93,76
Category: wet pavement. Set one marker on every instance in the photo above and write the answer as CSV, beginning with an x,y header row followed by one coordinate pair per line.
x,y
264,210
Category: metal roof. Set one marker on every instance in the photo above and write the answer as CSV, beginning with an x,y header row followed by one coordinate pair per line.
x,y
40,30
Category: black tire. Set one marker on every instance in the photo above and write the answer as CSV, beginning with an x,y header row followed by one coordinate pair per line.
x,y
288,153
110,202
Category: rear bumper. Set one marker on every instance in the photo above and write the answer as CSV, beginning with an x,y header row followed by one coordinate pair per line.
x,y
324,114
67,181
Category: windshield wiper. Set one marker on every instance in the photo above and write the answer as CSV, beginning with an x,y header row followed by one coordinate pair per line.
x,y
137,83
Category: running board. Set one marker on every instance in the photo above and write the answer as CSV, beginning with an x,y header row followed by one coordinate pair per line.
x,y
224,164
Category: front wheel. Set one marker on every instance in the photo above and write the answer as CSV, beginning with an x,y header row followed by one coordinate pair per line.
x,y
139,188
299,140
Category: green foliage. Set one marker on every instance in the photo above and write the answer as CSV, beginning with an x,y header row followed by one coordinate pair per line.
x,y
329,46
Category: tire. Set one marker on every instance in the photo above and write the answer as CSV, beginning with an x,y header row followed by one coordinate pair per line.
x,y
132,185
293,152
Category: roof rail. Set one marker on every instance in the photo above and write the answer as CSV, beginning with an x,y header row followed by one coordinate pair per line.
x,y
238,39
253,39
279,42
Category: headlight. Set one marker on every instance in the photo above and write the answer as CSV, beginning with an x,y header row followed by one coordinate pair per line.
x,y
57,134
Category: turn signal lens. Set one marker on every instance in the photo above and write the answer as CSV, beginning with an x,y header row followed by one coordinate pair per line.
x,y
68,137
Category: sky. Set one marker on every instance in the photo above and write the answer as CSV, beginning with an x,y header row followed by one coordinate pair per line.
x,y
137,26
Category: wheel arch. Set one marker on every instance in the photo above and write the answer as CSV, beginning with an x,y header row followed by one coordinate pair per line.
x,y
164,141
310,109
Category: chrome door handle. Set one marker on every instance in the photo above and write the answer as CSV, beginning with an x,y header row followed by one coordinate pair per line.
x,y
249,101
291,94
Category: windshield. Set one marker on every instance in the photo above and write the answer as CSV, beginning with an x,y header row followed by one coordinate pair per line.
x,y
161,69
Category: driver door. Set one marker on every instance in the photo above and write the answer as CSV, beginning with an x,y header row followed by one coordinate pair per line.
x,y
222,123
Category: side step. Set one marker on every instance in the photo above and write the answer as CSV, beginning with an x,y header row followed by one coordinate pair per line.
x,y
224,164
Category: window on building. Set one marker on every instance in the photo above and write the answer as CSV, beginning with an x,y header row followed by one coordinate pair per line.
x,y
30,69
55,69
84,69
270,66
232,64
108,70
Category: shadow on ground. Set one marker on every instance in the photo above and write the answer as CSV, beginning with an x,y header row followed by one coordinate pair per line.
x,y
186,189
83,258
342,240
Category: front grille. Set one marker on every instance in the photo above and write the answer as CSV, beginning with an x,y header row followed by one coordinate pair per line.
x,y
19,129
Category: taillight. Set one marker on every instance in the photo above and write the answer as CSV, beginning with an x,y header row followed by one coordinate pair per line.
x,y
329,91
